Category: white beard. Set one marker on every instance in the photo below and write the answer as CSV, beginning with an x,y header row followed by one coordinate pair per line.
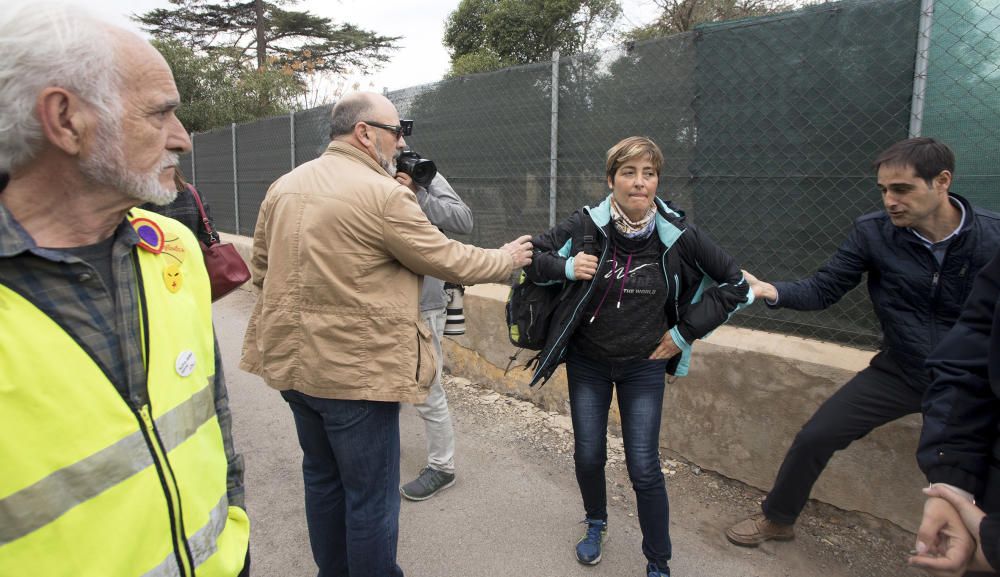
x,y
106,166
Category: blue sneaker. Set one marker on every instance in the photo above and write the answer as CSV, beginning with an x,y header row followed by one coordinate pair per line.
x,y
652,570
588,550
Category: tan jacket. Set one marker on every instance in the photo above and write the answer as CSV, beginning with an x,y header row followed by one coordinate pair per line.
x,y
337,255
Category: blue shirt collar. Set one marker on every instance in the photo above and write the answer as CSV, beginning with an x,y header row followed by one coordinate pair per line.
x,y
958,229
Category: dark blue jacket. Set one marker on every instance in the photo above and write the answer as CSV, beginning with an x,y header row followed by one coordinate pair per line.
x,y
960,441
916,300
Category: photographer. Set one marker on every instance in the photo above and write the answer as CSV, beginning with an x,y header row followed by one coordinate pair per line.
x,y
446,211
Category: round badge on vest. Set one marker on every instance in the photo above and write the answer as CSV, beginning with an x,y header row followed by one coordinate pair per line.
x,y
150,235
185,363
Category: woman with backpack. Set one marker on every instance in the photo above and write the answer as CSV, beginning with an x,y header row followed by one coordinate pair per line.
x,y
633,303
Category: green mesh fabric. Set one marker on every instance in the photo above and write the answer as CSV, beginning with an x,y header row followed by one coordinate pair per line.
x,y
962,104
768,127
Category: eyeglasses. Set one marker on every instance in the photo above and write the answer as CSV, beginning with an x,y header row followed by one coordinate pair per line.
x,y
405,127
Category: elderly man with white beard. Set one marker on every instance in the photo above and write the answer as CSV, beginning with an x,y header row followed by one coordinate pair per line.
x,y
116,444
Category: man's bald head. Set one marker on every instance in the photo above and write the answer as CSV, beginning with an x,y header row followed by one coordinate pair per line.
x,y
354,108
369,122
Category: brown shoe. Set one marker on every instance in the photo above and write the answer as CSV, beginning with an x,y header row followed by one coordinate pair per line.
x,y
757,529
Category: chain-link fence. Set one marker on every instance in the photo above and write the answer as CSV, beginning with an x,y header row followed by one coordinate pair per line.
x,y
768,125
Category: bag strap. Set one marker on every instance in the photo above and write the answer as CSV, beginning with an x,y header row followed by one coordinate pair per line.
x,y
212,235
589,234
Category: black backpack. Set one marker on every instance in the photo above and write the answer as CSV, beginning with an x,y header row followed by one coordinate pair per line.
x,y
530,306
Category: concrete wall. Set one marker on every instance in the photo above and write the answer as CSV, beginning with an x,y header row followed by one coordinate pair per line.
x,y
748,394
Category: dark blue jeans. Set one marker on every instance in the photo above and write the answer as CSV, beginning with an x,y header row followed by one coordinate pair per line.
x,y
640,386
350,466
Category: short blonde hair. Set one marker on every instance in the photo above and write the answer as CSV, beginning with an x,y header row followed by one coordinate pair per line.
x,y
633,147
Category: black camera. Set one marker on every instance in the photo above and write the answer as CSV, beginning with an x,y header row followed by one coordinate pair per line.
x,y
421,170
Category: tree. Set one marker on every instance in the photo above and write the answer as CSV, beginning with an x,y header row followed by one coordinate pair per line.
x,y
262,33
683,15
216,92
490,34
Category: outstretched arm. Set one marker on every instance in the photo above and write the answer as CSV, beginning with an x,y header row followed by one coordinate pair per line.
x,y
832,281
552,260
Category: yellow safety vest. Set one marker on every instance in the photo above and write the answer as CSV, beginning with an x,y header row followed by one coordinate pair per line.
x,y
91,486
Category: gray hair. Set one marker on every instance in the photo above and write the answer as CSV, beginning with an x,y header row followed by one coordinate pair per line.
x,y
44,44
348,111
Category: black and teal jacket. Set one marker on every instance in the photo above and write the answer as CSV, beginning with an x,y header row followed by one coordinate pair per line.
x,y
704,283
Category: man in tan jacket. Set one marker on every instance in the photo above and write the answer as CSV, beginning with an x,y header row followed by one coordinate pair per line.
x,y
338,253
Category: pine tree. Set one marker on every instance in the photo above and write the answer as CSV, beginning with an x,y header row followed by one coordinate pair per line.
x,y
265,35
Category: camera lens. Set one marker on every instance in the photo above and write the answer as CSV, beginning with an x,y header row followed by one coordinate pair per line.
x,y
421,170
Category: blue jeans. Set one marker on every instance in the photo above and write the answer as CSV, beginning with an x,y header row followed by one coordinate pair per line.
x,y
640,384
350,466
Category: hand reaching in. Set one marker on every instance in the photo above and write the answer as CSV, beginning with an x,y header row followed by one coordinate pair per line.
x,y
520,251
948,535
944,546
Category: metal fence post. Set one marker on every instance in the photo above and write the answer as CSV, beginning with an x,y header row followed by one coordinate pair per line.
x,y
920,67
194,170
554,140
236,183
291,124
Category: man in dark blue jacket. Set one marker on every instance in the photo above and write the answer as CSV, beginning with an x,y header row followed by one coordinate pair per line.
x,y
960,441
921,254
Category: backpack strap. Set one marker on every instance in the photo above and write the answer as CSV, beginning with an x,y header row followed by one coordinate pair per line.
x,y
589,234
527,366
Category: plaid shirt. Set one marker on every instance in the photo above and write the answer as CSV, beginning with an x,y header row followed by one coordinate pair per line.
x,y
105,322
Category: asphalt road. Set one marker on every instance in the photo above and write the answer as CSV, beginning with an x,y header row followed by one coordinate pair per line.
x,y
514,511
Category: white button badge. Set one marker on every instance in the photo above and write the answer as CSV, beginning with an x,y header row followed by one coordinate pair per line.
x,y
185,363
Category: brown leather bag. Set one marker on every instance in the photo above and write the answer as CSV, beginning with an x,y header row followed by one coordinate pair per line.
x,y
226,268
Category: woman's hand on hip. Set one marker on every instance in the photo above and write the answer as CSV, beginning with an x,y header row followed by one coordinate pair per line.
x,y
666,350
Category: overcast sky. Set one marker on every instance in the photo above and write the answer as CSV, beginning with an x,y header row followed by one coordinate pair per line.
x,y
422,57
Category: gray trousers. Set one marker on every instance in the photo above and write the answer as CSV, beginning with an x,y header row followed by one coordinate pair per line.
x,y
434,410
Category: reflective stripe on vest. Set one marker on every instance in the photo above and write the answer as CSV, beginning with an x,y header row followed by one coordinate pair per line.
x,y
94,487
202,543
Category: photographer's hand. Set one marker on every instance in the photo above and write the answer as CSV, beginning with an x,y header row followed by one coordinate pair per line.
x,y
406,180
